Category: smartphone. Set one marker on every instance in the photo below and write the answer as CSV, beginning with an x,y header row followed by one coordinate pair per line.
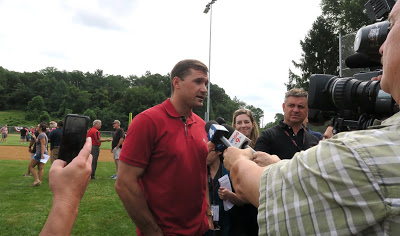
x,y
73,137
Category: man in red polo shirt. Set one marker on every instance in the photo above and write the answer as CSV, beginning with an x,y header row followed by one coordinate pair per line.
x,y
162,171
94,133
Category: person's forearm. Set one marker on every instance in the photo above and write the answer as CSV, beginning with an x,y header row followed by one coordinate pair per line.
x,y
42,149
135,204
235,200
120,143
245,175
61,219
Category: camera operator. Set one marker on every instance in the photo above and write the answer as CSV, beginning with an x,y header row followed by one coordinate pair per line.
x,y
346,185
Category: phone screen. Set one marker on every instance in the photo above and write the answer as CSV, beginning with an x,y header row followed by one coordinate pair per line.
x,y
73,137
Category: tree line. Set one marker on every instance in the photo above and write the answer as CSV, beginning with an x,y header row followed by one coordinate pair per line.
x,y
321,44
51,94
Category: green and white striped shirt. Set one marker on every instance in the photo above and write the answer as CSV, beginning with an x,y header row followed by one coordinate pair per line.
x,y
349,184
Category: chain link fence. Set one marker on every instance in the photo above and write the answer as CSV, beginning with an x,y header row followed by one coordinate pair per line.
x,y
14,130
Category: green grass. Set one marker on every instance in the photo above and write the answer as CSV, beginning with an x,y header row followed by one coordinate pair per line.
x,y
15,118
14,140
24,209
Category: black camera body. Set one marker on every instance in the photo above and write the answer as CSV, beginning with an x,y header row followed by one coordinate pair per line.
x,y
355,102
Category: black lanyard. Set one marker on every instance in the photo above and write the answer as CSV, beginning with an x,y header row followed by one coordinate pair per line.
x,y
211,180
294,142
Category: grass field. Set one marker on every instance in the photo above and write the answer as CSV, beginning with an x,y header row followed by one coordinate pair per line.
x,y
15,118
24,209
14,140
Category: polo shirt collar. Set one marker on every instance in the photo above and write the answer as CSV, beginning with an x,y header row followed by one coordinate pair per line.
x,y
173,113
285,126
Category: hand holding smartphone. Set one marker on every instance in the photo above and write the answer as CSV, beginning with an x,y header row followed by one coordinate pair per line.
x,y
73,137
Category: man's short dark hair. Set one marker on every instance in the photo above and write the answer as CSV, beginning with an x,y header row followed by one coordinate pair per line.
x,y
182,69
296,92
60,123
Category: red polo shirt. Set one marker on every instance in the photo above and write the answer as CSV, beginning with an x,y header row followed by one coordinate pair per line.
x,y
174,155
95,135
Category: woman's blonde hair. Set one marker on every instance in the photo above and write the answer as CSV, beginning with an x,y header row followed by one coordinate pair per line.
x,y
254,132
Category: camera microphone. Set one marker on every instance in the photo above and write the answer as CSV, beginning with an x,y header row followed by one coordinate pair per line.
x,y
360,60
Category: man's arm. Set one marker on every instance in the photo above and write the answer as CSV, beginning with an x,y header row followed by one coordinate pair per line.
x,y
121,140
133,198
68,184
245,174
105,140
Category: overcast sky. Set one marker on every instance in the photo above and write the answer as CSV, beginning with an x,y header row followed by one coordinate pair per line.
x,y
253,42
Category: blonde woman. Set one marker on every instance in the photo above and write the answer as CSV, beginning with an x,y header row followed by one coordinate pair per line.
x,y
244,122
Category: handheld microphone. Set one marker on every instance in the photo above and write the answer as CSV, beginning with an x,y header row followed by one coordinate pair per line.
x,y
238,139
216,132
220,120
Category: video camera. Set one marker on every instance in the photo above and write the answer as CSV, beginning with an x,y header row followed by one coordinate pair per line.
x,y
355,102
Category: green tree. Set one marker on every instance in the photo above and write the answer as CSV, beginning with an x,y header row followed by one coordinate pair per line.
x,y
91,114
347,16
258,113
320,46
277,118
44,117
36,103
35,108
320,54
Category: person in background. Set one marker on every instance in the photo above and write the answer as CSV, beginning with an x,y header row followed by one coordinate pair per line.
x,y
289,136
116,145
244,219
32,148
318,135
29,134
23,133
52,125
41,150
94,134
55,140
222,219
4,133
244,122
328,132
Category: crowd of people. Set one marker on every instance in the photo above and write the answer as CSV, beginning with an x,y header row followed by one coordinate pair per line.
x,y
168,172
42,138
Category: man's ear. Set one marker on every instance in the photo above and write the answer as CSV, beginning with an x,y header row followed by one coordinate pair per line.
x,y
176,82
283,106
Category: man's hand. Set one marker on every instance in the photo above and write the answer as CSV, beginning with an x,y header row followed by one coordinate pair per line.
x,y
233,154
264,159
69,183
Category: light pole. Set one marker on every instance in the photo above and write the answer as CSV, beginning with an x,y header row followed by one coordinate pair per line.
x,y
206,10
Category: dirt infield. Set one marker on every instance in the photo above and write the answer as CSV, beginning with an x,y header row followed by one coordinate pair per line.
x,y
21,153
